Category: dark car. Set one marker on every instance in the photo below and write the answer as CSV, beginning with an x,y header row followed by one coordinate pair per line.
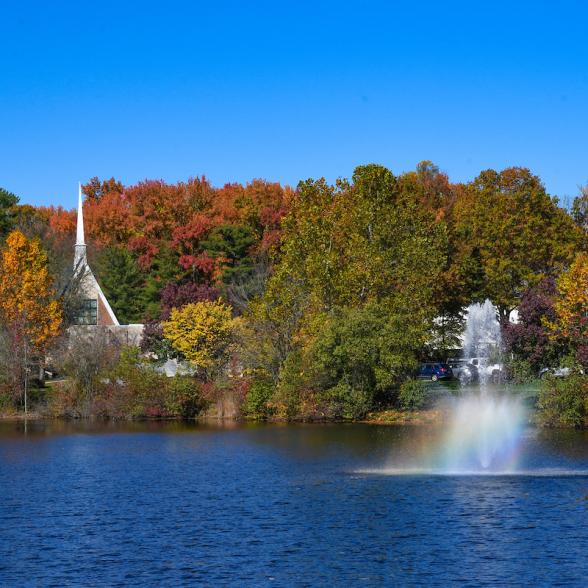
x,y
435,371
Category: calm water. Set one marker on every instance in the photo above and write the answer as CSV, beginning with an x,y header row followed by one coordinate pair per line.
x,y
169,505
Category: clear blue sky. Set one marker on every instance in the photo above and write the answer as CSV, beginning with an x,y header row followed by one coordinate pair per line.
x,y
285,91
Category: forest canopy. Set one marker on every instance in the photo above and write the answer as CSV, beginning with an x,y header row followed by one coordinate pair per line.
x,y
339,289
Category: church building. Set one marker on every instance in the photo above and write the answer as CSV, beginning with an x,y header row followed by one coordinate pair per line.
x,y
95,313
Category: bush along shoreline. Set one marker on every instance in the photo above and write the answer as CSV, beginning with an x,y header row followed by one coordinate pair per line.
x,y
563,402
133,389
136,393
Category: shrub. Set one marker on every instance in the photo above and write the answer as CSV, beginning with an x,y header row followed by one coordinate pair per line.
x,y
292,388
84,359
137,390
520,371
130,388
258,399
563,402
348,402
6,401
184,397
413,395
153,342
346,362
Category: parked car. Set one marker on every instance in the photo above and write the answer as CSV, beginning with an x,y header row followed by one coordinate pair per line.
x,y
464,371
435,371
559,372
486,369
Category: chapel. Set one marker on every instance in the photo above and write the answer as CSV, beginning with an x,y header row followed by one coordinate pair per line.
x,y
95,312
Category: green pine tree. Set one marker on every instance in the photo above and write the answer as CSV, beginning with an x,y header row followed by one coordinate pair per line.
x,y
164,269
8,202
234,243
122,282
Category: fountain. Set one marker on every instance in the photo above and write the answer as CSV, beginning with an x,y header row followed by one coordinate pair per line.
x,y
482,331
482,338
484,426
482,434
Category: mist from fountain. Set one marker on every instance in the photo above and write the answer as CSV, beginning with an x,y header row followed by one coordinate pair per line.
x,y
485,424
483,434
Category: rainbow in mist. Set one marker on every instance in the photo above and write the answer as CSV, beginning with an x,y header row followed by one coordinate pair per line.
x,y
483,435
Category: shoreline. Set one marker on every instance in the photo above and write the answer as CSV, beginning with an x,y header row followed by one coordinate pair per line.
x,y
389,417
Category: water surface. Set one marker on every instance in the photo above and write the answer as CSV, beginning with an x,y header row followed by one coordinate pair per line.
x,y
283,505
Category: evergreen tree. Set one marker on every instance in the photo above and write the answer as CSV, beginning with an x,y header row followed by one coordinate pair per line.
x,y
233,243
8,202
122,281
164,269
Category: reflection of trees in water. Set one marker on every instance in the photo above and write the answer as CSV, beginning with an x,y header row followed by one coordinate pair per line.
x,y
572,443
365,444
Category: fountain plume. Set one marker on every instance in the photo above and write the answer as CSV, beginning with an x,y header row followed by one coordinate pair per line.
x,y
484,425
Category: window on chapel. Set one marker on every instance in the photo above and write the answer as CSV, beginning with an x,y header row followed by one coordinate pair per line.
x,y
88,312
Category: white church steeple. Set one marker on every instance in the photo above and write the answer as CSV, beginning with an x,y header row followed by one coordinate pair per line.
x,y
97,310
80,260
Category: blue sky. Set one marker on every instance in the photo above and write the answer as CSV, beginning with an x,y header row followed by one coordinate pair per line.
x,y
288,91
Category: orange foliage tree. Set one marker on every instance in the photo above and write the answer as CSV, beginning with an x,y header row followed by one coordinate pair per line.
x,y
177,233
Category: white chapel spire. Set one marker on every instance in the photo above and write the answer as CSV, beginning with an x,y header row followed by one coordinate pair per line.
x,y
80,229
80,249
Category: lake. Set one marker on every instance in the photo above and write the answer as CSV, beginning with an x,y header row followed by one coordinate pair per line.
x,y
156,504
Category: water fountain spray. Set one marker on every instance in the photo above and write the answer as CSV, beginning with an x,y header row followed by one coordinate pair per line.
x,y
485,423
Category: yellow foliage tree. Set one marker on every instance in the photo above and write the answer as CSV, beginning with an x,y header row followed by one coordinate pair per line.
x,y
202,332
27,299
570,324
571,305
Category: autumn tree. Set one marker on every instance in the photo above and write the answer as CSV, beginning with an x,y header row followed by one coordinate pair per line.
x,y
353,243
580,209
178,295
202,332
29,310
571,308
510,233
355,251
188,240
259,205
529,339
97,189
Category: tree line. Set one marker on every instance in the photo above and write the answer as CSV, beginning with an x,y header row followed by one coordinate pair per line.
x,y
322,299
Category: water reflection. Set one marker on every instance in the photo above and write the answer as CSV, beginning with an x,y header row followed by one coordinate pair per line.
x,y
389,446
